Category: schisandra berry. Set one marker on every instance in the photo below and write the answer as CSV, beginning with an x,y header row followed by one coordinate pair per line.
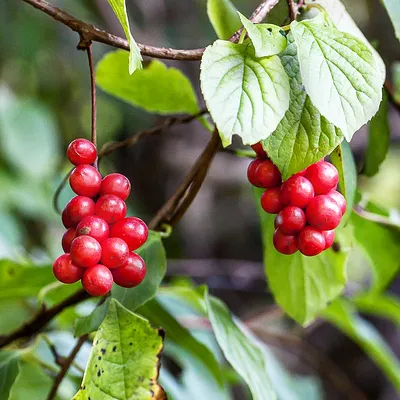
x,y
267,174
339,198
131,273
85,251
81,151
259,150
323,176
116,184
115,252
66,271
76,209
285,244
329,237
111,208
291,220
132,230
97,280
323,213
85,180
251,172
310,241
270,200
93,226
296,191
67,239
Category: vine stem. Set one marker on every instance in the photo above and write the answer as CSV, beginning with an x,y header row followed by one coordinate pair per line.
x,y
93,94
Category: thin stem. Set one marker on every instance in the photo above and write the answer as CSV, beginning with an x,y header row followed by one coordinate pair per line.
x,y
293,9
242,36
93,95
58,191
380,219
391,96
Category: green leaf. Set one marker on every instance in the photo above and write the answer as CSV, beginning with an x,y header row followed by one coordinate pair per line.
x,y
342,158
302,286
156,88
242,352
246,95
339,73
378,139
393,9
8,372
123,363
153,254
223,17
135,58
268,39
304,136
91,323
342,314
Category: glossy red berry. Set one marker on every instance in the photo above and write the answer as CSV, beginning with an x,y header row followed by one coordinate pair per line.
x,y
291,220
66,271
296,191
251,172
301,173
81,151
323,213
339,198
93,226
115,252
131,273
67,239
111,208
267,174
285,244
132,230
116,184
85,180
259,150
97,280
85,251
329,237
323,176
76,209
310,241
270,200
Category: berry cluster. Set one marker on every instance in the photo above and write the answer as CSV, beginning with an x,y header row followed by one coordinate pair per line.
x,y
308,205
100,239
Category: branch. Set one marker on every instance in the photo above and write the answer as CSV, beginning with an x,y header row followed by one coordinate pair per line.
x,y
293,9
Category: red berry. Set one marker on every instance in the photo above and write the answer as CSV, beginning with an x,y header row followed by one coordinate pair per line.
x,y
132,230
76,209
291,220
259,150
310,241
93,226
339,198
85,180
116,184
111,208
115,252
66,271
296,191
285,244
251,172
131,273
270,200
67,239
85,251
323,213
267,174
301,173
97,280
81,151
323,176
329,237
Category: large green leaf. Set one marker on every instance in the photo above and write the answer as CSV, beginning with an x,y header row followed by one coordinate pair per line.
x,y
245,95
153,254
393,9
343,315
302,286
303,136
8,371
156,88
223,17
91,323
378,139
124,360
135,58
339,73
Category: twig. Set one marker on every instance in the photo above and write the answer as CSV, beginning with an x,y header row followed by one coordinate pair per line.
x,y
93,95
380,219
59,360
65,367
392,98
293,9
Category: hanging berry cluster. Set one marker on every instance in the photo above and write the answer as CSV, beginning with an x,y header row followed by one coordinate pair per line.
x,y
100,240
308,205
